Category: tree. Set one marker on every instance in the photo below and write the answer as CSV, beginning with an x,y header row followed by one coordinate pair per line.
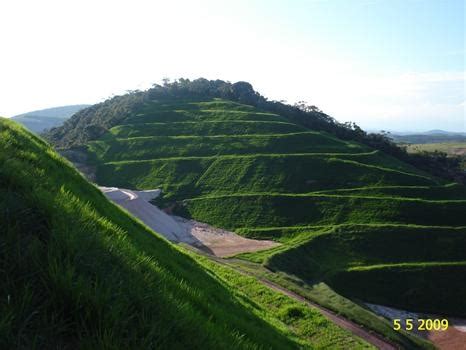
x,y
306,107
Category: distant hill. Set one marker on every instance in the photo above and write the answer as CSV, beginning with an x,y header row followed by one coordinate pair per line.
x,y
443,132
431,136
41,120
438,132
345,212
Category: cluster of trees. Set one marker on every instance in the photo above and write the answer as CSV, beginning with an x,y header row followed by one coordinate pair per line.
x,y
440,164
93,122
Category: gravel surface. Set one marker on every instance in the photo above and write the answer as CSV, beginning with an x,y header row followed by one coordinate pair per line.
x,y
210,239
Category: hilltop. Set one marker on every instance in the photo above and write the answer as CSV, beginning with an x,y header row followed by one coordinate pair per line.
x,y
78,272
347,209
41,120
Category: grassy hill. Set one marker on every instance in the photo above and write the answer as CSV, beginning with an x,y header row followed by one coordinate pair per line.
x,y
270,175
402,265
41,120
76,271
262,175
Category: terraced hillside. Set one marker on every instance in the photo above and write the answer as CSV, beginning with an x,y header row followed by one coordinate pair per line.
x,y
347,214
77,272
257,173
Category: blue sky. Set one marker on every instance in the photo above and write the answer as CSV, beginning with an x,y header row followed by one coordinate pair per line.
x,y
393,34
388,64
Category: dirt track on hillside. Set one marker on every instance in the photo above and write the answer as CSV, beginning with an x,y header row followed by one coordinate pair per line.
x,y
370,337
212,240
354,328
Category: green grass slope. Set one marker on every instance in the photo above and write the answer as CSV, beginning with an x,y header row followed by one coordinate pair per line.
x,y
262,175
77,272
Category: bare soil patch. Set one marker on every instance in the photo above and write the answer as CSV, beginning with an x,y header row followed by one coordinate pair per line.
x,y
215,241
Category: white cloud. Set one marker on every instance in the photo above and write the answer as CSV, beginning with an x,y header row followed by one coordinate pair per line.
x,y
404,101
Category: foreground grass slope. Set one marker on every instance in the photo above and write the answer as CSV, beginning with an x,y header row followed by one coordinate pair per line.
x,y
262,175
78,272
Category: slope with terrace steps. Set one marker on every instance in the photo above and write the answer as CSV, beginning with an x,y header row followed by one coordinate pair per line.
x,y
261,175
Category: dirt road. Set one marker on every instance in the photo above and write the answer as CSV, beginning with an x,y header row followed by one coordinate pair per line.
x,y
370,337
354,328
212,240
137,203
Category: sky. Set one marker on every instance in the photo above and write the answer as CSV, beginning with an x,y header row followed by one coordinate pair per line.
x,y
384,64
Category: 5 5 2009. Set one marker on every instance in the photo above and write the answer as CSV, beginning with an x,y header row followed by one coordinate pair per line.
x,y
420,324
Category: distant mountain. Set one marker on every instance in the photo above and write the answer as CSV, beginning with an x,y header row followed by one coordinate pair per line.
x,y
39,121
443,132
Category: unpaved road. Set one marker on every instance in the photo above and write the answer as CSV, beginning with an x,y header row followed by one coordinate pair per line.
x,y
372,338
354,328
212,240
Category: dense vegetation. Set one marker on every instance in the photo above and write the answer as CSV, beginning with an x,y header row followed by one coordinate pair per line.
x,y
451,155
78,272
39,121
265,175
93,122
